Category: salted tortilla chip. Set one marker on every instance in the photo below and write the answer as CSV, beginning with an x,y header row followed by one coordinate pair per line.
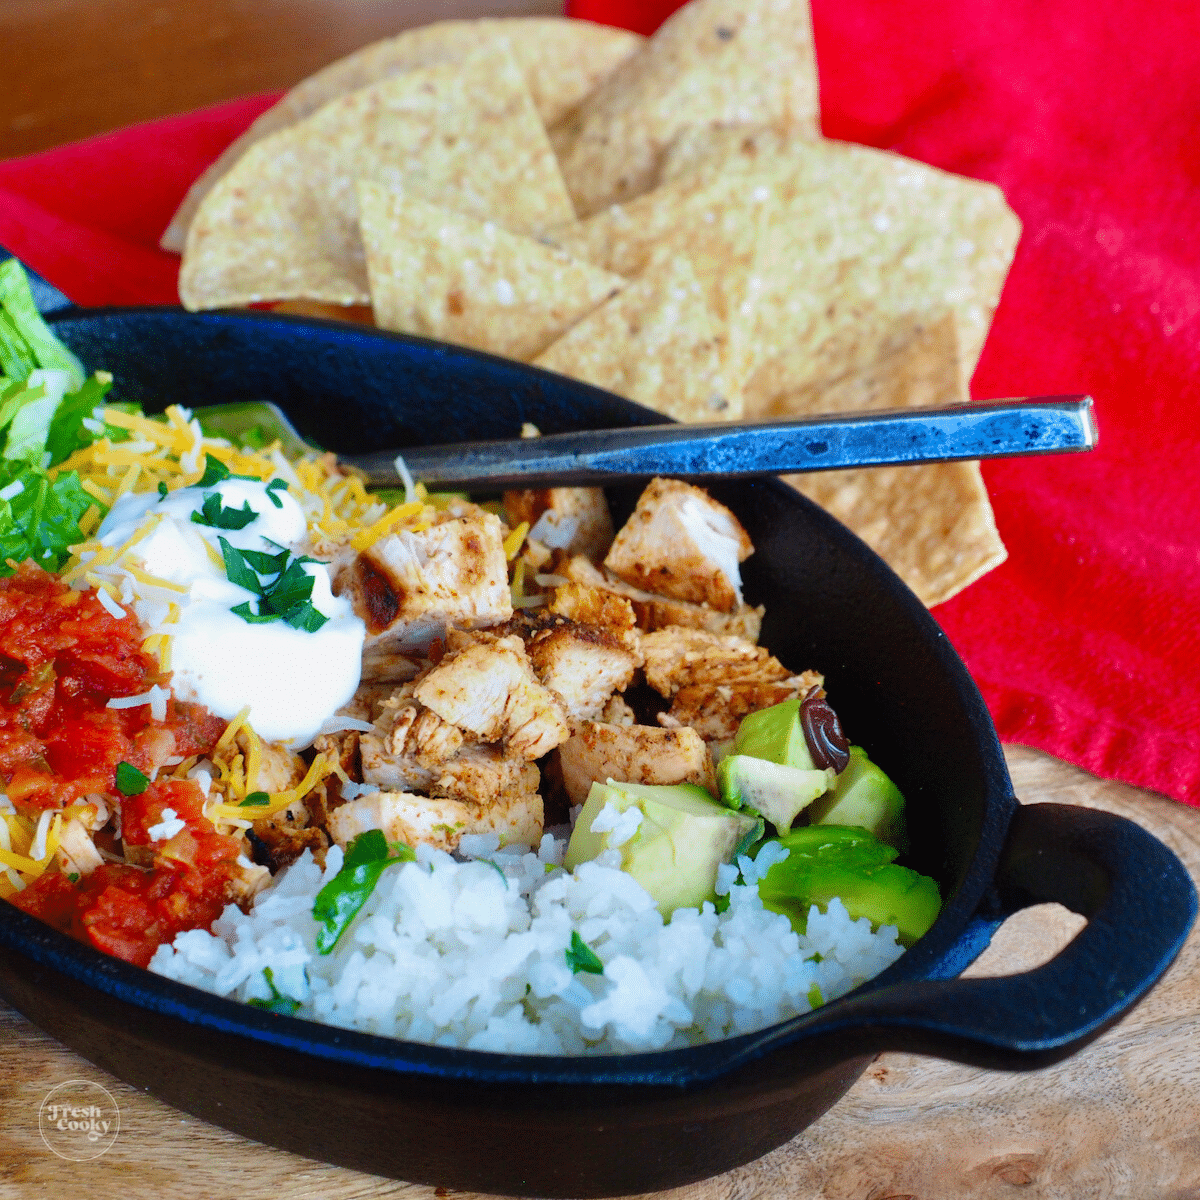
x,y
712,61
932,524
656,342
562,61
439,274
284,222
719,224
862,242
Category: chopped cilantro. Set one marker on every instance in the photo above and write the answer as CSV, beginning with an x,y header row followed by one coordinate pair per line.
x,y
130,781
338,902
214,514
278,1003
255,799
215,471
73,876
815,999
581,957
162,489
274,486
283,596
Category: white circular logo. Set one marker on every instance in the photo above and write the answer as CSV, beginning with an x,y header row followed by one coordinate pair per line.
x,y
79,1120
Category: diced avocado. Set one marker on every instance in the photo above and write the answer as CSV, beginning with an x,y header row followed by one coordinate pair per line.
x,y
825,861
776,734
778,792
863,795
683,837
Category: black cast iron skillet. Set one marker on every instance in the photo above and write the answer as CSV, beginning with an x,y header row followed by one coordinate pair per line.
x,y
610,1125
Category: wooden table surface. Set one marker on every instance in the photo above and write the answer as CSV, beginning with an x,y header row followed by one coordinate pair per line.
x,y
1117,1120
75,68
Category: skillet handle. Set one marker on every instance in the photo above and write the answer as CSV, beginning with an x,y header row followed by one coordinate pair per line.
x,y
1140,904
45,295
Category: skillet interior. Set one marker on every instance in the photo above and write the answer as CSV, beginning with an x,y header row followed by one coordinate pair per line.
x,y
601,1125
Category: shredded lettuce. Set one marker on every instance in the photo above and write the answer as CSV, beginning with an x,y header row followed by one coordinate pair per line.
x,y
46,405
39,517
26,341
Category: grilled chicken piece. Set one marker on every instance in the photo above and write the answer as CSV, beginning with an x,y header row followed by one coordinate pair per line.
x,y
279,840
617,712
486,775
583,665
409,587
658,612
678,657
476,772
438,822
576,520
342,748
633,754
278,768
584,646
715,712
714,681
486,686
422,735
681,543
592,605
76,851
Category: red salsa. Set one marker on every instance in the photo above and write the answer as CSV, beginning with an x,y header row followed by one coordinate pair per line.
x,y
63,656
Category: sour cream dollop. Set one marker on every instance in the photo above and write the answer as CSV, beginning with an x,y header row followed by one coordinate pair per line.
x,y
292,679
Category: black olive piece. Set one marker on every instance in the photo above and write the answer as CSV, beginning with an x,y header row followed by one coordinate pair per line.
x,y
827,743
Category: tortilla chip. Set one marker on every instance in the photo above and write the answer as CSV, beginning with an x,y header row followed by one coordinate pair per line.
x,y
712,61
439,274
932,524
656,342
863,242
721,227
283,223
562,61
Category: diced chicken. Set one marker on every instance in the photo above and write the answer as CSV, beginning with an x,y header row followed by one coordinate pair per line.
x,y
410,587
476,772
278,769
488,688
658,612
681,543
591,605
280,839
438,822
77,852
343,749
422,735
715,681
485,775
617,712
249,880
583,665
678,657
715,712
383,769
576,520
633,754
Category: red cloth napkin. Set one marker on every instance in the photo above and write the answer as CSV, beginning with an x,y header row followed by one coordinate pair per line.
x,y
1084,642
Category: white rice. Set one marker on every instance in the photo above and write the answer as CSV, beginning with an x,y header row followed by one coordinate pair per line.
x,y
473,953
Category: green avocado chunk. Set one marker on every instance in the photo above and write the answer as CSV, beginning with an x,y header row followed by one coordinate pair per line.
x,y
684,835
776,734
779,793
863,795
825,861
